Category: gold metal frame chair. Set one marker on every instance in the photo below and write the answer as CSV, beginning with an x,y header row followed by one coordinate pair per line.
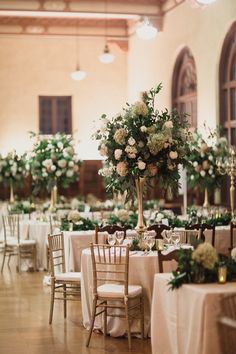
x,y
64,285
227,324
111,289
14,245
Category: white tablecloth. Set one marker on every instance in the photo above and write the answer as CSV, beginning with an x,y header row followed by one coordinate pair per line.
x,y
74,243
184,321
141,272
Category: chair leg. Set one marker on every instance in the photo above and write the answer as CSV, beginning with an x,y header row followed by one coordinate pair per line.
x,y
127,323
3,260
52,300
142,317
92,321
35,258
18,261
64,301
105,320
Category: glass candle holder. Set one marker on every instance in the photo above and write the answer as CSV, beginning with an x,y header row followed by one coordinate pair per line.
x,y
222,274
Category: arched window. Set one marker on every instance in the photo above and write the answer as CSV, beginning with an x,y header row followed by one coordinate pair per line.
x,y
184,86
228,85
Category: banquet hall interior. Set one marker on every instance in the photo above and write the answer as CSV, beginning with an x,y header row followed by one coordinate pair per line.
x,y
118,128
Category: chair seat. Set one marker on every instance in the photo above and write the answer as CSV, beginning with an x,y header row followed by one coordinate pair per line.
x,y
13,242
116,290
69,276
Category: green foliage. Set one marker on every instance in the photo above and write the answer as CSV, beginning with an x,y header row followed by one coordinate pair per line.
x,y
13,169
202,169
53,161
142,142
84,224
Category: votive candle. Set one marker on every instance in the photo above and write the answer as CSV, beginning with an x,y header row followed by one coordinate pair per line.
x,y
222,274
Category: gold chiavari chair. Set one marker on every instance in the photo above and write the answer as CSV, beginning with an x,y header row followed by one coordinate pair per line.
x,y
227,324
64,285
14,245
111,289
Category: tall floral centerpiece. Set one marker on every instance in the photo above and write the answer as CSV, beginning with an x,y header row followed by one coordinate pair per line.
x,y
54,163
140,144
202,170
13,170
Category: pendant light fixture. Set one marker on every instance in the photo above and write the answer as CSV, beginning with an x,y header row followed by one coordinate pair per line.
x,y
146,30
106,57
78,74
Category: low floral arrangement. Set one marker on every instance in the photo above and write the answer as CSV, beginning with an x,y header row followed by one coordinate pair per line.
x,y
142,142
202,170
13,169
201,266
53,161
213,215
195,266
23,206
74,222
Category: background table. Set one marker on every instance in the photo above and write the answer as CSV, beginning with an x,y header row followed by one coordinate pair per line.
x,y
184,321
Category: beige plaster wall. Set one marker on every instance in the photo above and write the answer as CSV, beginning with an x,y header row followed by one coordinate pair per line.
x,y
31,66
203,31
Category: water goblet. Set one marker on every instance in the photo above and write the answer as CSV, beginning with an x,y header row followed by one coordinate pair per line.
x,y
120,236
167,235
111,239
175,237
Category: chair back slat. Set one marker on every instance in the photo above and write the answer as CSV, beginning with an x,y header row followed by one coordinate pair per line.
x,y
171,256
110,265
56,253
11,227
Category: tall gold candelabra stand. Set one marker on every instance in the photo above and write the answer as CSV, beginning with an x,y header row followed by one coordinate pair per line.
x,y
228,166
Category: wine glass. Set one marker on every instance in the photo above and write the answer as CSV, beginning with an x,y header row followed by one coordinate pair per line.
x,y
111,239
149,240
167,235
120,236
175,237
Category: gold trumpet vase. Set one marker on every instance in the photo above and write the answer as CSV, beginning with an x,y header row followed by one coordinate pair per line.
x,y
206,203
140,182
12,199
54,192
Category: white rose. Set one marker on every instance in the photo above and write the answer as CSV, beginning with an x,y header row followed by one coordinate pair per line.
x,y
65,154
71,164
141,165
203,173
47,163
131,141
60,145
195,164
58,173
53,168
69,173
173,155
62,163
140,144
210,172
210,158
143,129
168,124
118,153
192,177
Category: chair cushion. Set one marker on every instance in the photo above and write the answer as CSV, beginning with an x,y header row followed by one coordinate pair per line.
x,y
117,290
27,242
69,276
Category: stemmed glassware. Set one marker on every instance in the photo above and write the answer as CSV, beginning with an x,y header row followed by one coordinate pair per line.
x,y
175,237
149,239
120,236
167,235
111,239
